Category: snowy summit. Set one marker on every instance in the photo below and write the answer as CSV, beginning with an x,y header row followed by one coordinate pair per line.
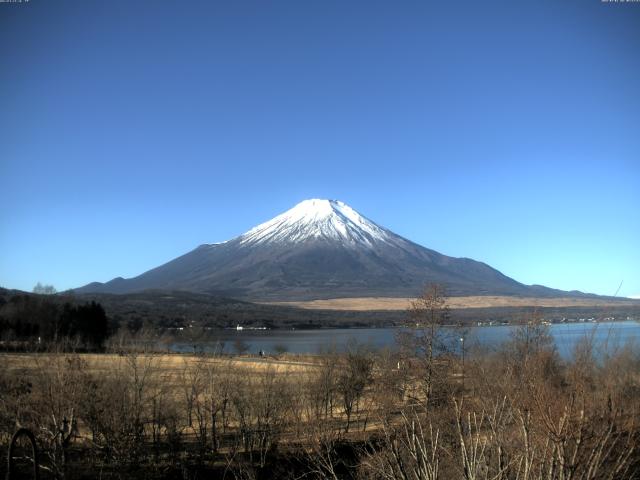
x,y
318,219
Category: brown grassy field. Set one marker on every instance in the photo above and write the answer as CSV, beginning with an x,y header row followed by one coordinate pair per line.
x,y
169,365
393,304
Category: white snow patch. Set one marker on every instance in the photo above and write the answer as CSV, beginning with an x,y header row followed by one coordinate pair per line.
x,y
319,219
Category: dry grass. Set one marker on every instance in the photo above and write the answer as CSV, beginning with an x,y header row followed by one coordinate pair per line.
x,y
168,365
386,303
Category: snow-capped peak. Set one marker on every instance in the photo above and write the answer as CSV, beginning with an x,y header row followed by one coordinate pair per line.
x,y
318,219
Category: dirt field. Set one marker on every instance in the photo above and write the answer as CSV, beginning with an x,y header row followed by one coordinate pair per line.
x,y
384,303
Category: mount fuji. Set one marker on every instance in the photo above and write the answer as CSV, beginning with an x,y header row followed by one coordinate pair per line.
x,y
320,249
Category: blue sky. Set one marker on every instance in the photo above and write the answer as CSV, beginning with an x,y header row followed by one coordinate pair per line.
x,y
508,132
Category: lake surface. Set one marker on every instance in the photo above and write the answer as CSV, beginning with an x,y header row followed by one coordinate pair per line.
x,y
606,335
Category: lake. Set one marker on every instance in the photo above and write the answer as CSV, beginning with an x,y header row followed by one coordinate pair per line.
x,y
609,335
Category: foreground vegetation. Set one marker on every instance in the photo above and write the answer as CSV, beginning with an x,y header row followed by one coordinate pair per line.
x,y
429,409
519,413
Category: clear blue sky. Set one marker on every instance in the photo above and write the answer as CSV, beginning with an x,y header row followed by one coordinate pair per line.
x,y
504,131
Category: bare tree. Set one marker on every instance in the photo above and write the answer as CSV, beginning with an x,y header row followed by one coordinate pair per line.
x,y
56,404
119,406
280,349
354,376
240,346
423,340
407,449
44,289
322,440
322,387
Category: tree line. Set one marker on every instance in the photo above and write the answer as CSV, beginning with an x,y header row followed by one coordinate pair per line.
x,y
43,318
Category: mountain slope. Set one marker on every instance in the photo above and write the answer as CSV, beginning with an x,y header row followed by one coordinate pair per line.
x,y
319,249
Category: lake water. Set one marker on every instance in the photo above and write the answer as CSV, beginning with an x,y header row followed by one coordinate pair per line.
x,y
607,335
